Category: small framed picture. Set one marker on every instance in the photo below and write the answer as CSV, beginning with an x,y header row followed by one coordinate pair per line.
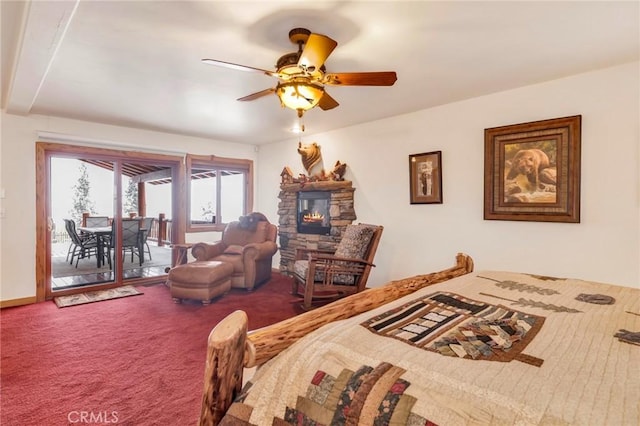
x,y
532,171
425,178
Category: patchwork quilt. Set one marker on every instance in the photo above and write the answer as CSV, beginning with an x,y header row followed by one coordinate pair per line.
x,y
489,347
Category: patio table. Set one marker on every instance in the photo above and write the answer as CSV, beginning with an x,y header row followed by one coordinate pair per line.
x,y
99,232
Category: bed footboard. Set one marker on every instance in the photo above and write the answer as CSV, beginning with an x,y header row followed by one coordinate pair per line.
x,y
271,340
231,348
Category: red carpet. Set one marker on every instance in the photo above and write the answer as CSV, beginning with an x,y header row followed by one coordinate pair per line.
x,y
131,361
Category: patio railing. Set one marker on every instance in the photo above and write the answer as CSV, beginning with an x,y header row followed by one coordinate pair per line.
x,y
160,231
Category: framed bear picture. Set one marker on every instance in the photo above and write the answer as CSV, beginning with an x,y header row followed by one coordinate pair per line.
x,y
532,171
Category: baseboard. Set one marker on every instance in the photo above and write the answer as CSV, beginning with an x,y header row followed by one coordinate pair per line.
x,y
17,302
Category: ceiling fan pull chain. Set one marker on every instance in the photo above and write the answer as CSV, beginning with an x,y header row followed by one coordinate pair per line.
x,y
300,128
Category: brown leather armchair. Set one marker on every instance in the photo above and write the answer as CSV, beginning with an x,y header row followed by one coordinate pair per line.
x,y
248,247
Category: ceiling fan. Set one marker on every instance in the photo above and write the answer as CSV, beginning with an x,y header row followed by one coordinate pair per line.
x,y
302,74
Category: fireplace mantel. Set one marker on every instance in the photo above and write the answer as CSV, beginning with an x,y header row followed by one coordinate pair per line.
x,y
321,185
341,212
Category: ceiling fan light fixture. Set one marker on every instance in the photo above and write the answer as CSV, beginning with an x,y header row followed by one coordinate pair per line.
x,y
303,75
299,95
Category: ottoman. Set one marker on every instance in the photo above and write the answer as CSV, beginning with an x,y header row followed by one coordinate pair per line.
x,y
200,280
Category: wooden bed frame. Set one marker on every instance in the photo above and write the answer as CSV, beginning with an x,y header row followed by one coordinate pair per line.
x,y
231,347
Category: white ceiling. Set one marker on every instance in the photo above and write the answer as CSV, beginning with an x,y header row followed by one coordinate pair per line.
x,y
137,63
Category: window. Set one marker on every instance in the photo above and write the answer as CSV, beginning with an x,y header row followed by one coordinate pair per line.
x,y
220,190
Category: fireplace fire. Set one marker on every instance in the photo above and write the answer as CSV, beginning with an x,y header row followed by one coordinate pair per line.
x,y
314,217
313,212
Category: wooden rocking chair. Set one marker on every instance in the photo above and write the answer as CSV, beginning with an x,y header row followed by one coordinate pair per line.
x,y
325,276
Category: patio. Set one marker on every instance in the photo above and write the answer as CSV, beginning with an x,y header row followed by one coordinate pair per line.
x,y
65,275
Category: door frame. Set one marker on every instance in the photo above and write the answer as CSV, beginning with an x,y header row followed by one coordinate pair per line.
x,y
44,151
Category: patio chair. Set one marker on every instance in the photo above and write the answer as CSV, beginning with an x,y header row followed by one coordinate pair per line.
x,y
96,221
145,225
132,239
81,246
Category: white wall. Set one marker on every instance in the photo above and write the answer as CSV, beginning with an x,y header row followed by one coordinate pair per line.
x,y
421,238
605,246
17,178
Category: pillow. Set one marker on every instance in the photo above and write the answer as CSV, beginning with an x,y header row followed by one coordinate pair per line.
x,y
355,241
300,268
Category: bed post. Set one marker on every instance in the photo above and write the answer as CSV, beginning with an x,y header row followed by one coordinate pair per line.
x,y
223,371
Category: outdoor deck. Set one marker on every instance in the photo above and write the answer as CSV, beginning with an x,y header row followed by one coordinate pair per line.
x,y
66,276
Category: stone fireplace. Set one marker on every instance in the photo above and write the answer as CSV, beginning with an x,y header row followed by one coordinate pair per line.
x,y
328,207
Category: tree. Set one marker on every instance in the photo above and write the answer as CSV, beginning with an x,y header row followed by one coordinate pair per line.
x,y
131,197
81,201
209,212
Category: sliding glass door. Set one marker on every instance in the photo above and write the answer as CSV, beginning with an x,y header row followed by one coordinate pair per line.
x,y
106,218
81,217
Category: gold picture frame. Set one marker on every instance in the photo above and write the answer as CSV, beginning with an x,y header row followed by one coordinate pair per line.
x,y
425,178
532,171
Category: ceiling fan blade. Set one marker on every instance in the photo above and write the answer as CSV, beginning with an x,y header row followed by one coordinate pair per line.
x,y
238,67
382,78
316,50
327,102
257,95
